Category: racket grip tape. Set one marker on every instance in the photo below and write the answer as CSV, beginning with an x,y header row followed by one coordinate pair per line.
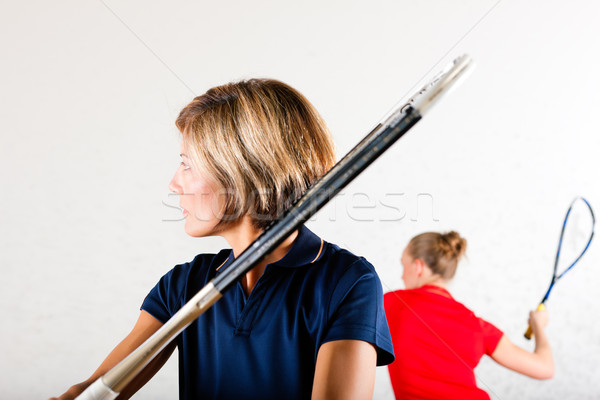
x,y
97,391
529,332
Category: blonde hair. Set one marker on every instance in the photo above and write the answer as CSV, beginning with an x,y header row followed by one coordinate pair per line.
x,y
441,252
261,141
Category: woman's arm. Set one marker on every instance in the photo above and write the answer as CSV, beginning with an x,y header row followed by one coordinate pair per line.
x,y
538,364
145,326
345,370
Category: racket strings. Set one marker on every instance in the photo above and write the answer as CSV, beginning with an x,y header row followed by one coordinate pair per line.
x,y
555,276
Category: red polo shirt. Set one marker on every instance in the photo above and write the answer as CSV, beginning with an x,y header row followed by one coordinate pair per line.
x,y
437,342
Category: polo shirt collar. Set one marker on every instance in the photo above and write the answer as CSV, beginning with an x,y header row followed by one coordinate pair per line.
x,y
306,249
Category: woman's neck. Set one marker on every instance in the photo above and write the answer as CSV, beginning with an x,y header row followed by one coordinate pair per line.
x,y
241,235
434,280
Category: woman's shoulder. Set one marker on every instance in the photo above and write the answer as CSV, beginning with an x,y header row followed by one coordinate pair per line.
x,y
425,296
397,298
343,269
316,257
336,256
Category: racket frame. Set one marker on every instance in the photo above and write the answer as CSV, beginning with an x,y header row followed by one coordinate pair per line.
x,y
555,278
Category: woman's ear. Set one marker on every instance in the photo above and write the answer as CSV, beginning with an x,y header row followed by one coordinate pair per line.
x,y
419,267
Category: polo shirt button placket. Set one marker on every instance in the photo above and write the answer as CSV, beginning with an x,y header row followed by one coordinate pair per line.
x,y
248,310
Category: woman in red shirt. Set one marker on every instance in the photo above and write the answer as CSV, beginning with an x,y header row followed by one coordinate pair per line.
x,y
437,340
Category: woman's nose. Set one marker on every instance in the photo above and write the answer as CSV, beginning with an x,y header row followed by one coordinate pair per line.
x,y
174,185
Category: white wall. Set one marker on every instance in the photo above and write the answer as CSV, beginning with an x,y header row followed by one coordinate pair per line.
x,y
88,145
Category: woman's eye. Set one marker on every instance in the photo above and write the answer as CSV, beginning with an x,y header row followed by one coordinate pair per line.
x,y
185,166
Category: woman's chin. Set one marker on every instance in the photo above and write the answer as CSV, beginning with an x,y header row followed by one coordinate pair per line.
x,y
201,228
196,231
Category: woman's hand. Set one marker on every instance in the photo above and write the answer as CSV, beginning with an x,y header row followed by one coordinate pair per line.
x,y
538,320
73,391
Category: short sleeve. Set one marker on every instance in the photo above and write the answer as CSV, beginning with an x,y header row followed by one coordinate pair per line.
x,y
356,311
167,297
491,336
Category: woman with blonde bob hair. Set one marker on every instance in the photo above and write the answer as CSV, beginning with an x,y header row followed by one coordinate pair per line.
x,y
307,321
438,341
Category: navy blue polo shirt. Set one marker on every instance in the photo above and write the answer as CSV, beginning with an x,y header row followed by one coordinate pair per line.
x,y
265,345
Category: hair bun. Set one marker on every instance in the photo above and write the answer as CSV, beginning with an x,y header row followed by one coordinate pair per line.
x,y
439,251
453,244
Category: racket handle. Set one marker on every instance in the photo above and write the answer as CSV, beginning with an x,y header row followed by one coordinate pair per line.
x,y
97,391
529,332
